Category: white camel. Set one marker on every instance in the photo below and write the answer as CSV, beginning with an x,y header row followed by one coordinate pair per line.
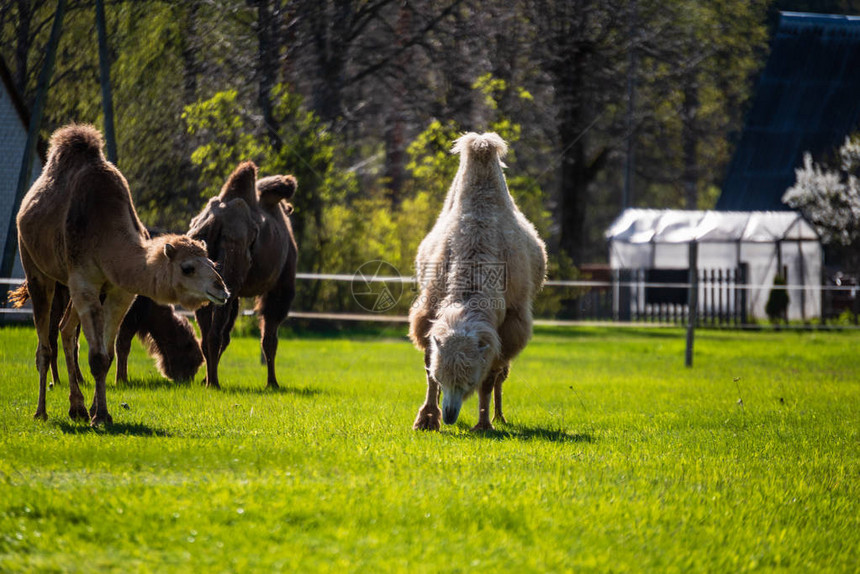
x,y
478,269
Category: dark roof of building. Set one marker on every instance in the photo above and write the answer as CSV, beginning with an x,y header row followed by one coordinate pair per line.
x,y
17,101
807,99
20,106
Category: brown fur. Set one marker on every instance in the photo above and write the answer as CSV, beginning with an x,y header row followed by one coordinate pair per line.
x,y
253,244
77,226
271,190
168,337
240,184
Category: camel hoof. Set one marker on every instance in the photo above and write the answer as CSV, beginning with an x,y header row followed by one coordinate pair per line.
x,y
273,386
40,416
213,386
427,421
500,418
78,413
481,427
100,419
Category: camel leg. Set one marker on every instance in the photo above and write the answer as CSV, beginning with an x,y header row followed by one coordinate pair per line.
x,y
69,331
228,327
204,321
501,376
97,321
41,294
114,308
79,376
269,344
57,307
123,349
86,302
214,323
223,319
274,309
429,415
484,394
71,336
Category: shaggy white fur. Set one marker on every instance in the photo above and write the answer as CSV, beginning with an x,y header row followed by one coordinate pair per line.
x,y
478,269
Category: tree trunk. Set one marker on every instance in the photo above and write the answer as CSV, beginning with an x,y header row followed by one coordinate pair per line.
x,y
329,29
267,67
395,128
22,46
574,196
190,59
689,140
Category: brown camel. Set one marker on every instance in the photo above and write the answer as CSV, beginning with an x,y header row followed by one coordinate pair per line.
x,y
248,233
168,336
77,227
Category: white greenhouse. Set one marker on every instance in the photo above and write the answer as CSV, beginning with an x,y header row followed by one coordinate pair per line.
x,y
745,248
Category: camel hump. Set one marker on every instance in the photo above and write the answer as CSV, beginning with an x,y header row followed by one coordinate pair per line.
x,y
240,184
481,147
283,186
76,140
271,190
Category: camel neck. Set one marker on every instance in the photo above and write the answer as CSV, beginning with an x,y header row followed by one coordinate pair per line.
x,y
479,184
140,269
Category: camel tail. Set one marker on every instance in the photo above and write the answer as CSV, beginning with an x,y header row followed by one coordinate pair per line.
x,y
76,140
481,147
19,296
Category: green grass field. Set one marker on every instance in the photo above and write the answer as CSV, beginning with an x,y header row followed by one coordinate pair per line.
x,y
616,458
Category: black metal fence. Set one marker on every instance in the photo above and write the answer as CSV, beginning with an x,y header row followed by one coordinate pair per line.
x,y
661,296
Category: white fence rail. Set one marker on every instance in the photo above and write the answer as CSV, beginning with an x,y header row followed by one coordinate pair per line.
x,y
585,285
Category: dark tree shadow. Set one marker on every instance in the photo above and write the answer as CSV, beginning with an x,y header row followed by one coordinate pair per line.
x,y
124,429
523,432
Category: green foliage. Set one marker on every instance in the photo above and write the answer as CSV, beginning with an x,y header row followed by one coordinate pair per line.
x,y
617,458
227,135
228,138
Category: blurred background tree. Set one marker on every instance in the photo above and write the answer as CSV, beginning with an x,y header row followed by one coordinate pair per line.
x,y
361,100
827,193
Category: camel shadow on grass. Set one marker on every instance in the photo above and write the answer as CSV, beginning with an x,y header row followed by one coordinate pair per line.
x,y
282,390
524,433
116,428
153,382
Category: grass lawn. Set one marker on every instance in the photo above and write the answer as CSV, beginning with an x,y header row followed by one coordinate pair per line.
x,y
616,458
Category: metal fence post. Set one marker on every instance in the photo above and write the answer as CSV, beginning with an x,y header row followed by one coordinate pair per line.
x,y
693,301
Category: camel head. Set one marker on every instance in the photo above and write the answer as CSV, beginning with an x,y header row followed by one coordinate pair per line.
x,y
463,349
185,274
229,230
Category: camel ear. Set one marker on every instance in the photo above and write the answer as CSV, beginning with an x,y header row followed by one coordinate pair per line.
x,y
170,251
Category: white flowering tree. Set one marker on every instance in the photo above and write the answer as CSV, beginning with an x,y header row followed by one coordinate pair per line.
x,y
829,197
